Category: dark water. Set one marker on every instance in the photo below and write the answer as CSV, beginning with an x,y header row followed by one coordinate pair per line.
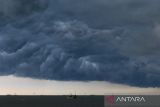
x,y
51,101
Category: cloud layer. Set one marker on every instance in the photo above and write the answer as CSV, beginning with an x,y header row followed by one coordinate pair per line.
x,y
111,40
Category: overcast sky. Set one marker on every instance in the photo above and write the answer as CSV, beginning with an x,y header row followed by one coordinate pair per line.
x,y
28,86
86,40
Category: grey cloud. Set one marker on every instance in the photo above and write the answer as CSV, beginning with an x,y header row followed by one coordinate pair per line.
x,y
109,13
111,40
11,8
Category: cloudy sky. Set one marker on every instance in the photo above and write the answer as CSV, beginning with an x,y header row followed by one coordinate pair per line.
x,y
114,41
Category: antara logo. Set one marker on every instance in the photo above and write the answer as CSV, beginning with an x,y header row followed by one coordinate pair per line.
x,y
110,99
130,99
114,99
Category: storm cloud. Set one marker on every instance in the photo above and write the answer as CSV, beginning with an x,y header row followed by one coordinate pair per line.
x,y
107,40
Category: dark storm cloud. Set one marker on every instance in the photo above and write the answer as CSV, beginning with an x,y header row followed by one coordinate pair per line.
x,y
111,40
111,13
